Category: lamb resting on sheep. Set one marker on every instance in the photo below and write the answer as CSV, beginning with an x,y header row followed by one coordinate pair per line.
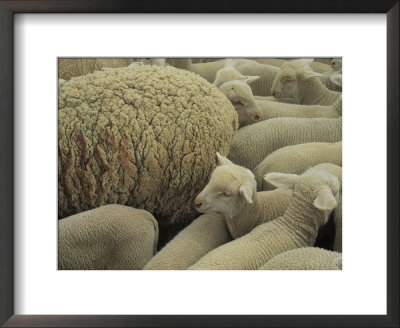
x,y
231,192
144,137
110,237
315,195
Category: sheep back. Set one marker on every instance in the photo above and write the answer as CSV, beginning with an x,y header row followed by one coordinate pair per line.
x,y
111,237
306,258
144,136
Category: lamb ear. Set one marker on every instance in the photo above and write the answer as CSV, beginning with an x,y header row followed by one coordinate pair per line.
x,y
306,75
336,79
250,79
325,200
247,191
281,180
223,160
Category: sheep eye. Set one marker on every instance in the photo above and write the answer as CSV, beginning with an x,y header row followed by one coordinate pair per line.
x,y
287,80
237,102
226,194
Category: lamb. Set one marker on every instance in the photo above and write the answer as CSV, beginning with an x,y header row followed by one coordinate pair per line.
x,y
144,136
336,64
250,109
231,192
110,237
315,195
71,67
320,67
297,83
251,144
204,234
297,159
305,258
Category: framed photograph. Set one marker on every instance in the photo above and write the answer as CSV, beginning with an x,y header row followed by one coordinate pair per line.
x,y
39,37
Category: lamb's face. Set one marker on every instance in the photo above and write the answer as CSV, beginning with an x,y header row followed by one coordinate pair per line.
x,y
229,186
285,87
336,63
241,97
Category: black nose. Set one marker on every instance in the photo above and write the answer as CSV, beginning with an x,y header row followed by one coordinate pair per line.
x,y
197,204
274,94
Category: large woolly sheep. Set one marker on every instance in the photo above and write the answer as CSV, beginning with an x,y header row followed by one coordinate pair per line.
x,y
320,67
231,192
315,195
297,159
305,258
204,234
297,83
71,67
144,136
253,143
111,237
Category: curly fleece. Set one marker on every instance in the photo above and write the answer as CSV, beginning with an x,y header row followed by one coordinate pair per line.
x,y
144,136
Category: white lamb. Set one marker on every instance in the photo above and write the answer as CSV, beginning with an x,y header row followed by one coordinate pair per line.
x,y
315,195
231,192
297,83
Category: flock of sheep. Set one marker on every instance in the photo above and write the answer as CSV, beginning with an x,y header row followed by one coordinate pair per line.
x,y
225,164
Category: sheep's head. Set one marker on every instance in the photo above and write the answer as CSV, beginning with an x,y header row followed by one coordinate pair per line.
x,y
322,186
241,97
336,63
287,83
230,186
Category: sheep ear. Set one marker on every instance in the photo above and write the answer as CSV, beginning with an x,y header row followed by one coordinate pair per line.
x,y
325,200
281,180
250,79
337,79
223,160
247,192
337,263
306,75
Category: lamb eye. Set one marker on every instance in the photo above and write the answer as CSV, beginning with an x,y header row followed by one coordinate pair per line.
x,y
226,194
237,102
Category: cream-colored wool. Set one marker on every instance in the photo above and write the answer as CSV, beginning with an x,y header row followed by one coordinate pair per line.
x,y
110,237
305,258
209,70
315,195
71,67
270,61
267,74
297,159
204,234
253,143
332,81
320,67
144,136
297,83
231,192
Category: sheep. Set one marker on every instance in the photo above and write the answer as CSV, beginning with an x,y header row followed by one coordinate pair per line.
x,y
320,67
296,159
270,61
204,234
71,67
305,258
144,136
336,64
332,81
315,195
251,144
239,94
110,237
209,70
231,192
297,83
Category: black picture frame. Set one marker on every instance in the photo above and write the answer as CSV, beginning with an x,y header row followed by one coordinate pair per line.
x,y
7,11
